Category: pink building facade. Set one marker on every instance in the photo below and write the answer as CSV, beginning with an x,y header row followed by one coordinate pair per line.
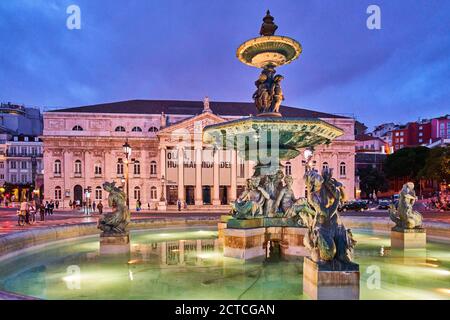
x,y
83,149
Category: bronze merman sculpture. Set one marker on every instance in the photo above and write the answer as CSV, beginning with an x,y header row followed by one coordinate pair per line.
x,y
330,244
114,222
403,215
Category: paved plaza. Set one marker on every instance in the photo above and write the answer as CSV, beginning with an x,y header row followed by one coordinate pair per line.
x,y
8,218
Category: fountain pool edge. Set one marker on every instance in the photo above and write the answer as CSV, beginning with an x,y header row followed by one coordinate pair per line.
x,y
13,244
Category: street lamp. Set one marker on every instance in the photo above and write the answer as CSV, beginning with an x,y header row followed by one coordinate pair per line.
x,y
127,150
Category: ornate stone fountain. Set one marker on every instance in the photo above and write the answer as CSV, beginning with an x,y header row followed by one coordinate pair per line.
x,y
267,213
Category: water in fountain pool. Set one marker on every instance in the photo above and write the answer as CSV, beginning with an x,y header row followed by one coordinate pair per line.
x,y
188,264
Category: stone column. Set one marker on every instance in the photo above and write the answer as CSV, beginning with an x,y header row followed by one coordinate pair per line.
x,y
66,174
335,165
216,194
180,173
198,177
233,187
162,156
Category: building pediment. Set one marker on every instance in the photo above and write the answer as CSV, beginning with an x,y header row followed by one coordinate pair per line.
x,y
192,126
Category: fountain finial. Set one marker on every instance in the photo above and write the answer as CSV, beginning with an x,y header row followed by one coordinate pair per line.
x,y
268,27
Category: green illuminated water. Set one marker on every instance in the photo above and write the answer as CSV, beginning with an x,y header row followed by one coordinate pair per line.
x,y
188,264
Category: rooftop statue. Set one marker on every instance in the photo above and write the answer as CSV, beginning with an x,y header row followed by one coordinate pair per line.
x,y
114,222
403,215
330,244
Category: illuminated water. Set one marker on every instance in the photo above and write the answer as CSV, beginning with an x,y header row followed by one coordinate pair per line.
x,y
159,269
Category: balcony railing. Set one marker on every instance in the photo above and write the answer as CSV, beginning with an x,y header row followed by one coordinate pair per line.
x,y
23,154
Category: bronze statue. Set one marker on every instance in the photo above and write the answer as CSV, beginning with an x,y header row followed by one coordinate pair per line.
x,y
327,239
261,95
114,222
251,202
276,93
268,95
403,215
286,201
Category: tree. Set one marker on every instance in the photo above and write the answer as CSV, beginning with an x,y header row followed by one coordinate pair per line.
x,y
371,180
406,162
437,165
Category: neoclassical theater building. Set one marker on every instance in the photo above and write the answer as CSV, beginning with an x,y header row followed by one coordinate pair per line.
x,y
83,147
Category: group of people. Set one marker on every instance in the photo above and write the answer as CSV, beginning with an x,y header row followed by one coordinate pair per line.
x,y
88,206
28,208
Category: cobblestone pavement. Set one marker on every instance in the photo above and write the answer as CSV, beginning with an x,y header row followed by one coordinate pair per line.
x,y
8,218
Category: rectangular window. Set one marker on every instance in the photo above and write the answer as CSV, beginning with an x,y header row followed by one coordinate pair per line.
x,y
24,165
13,165
23,178
401,134
2,165
23,151
14,178
420,134
2,176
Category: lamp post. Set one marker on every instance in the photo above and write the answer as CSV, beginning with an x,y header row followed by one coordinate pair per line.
x,y
127,150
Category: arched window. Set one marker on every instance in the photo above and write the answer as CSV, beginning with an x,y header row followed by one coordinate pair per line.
x,y
137,167
98,169
137,193
288,169
153,168
77,128
325,166
153,129
120,129
136,129
58,193
342,169
98,193
77,167
153,194
119,166
57,167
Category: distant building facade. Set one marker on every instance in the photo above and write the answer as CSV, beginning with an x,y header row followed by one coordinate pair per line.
x,y
83,148
20,150
19,119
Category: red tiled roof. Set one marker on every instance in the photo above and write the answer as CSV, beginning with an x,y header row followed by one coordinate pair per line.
x,y
366,137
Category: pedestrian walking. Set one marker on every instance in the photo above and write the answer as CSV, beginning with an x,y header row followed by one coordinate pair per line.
x,y
47,208
51,207
93,206
24,210
138,205
179,204
57,204
100,207
42,211
70,204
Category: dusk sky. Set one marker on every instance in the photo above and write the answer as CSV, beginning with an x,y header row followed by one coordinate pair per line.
x,y
185,50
